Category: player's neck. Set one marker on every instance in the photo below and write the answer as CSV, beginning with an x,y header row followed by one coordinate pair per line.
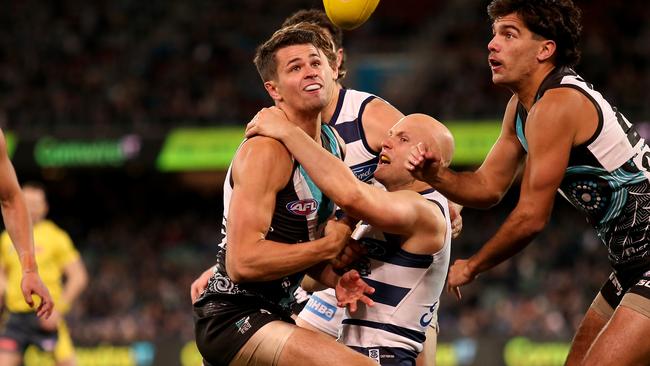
x,y
308,121
408,185
526,91
328,111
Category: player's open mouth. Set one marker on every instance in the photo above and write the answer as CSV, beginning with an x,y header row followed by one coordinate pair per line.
x,y
312,87
383,159
494,63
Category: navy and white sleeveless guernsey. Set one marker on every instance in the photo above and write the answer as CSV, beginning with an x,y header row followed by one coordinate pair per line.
x,y
321,311
301,211
359,156
407,292
607,176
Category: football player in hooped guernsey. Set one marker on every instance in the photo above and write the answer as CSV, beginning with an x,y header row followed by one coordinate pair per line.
x,y
362,120
408,251
276,223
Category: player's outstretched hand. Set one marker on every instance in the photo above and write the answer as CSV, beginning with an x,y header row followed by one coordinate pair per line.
x,y
423,163
350,289
270,122
200,284
459,275
31,284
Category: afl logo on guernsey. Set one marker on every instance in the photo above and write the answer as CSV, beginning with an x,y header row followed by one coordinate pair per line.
x,y
303,207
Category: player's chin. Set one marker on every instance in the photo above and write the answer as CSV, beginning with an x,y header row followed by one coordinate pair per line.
x,y
381,171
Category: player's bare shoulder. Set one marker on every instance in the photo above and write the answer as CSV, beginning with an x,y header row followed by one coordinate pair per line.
x,y
262,156
377,118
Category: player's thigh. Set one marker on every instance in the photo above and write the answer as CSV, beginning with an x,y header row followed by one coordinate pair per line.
x,y
265,346
64,349
302,323
593,322
624,340
428,355
306,347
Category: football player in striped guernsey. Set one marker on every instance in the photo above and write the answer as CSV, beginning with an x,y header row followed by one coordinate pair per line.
x,y
276,223
410,240
569,139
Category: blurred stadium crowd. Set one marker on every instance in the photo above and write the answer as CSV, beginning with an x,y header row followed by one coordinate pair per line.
x,y
106,68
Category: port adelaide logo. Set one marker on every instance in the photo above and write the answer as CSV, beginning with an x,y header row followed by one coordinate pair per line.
x,y
303,207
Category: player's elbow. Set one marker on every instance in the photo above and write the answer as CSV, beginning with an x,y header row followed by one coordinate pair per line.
x,y
533,221
82,279
237,273
491,199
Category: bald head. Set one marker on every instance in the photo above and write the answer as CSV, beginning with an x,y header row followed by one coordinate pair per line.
x,y
433,134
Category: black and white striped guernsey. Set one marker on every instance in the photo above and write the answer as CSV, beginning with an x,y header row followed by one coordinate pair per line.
x,y
300,214
607,176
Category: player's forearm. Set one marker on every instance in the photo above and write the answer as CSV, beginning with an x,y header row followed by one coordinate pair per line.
x,y
322,167
19,227
468,189
519,229
271,260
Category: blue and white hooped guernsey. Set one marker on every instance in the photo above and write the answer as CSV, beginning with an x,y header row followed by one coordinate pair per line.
x,y
347,121
407,293
301,211
321,311
607,177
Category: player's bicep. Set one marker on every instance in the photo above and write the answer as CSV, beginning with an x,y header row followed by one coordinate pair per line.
x,y
393,212
378,117
258,175
550,139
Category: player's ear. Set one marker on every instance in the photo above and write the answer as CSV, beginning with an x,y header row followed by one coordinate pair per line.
x,y
339,57
547,50
272,88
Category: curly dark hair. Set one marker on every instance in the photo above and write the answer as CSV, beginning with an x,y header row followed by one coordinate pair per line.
x,y
319,18
301,33
557,20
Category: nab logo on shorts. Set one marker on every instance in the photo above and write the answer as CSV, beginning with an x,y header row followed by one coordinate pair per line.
x,y
303,207
321,308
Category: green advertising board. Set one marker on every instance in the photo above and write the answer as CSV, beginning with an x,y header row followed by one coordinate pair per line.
x,y
474,139
187,149
199,148
53,152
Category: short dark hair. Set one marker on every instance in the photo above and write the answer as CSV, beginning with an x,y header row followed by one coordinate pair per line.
x,y
557,20
302,33
319,18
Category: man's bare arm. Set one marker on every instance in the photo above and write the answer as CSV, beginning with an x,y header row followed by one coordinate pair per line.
x,y
484,187
19,227
262,168
551,130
